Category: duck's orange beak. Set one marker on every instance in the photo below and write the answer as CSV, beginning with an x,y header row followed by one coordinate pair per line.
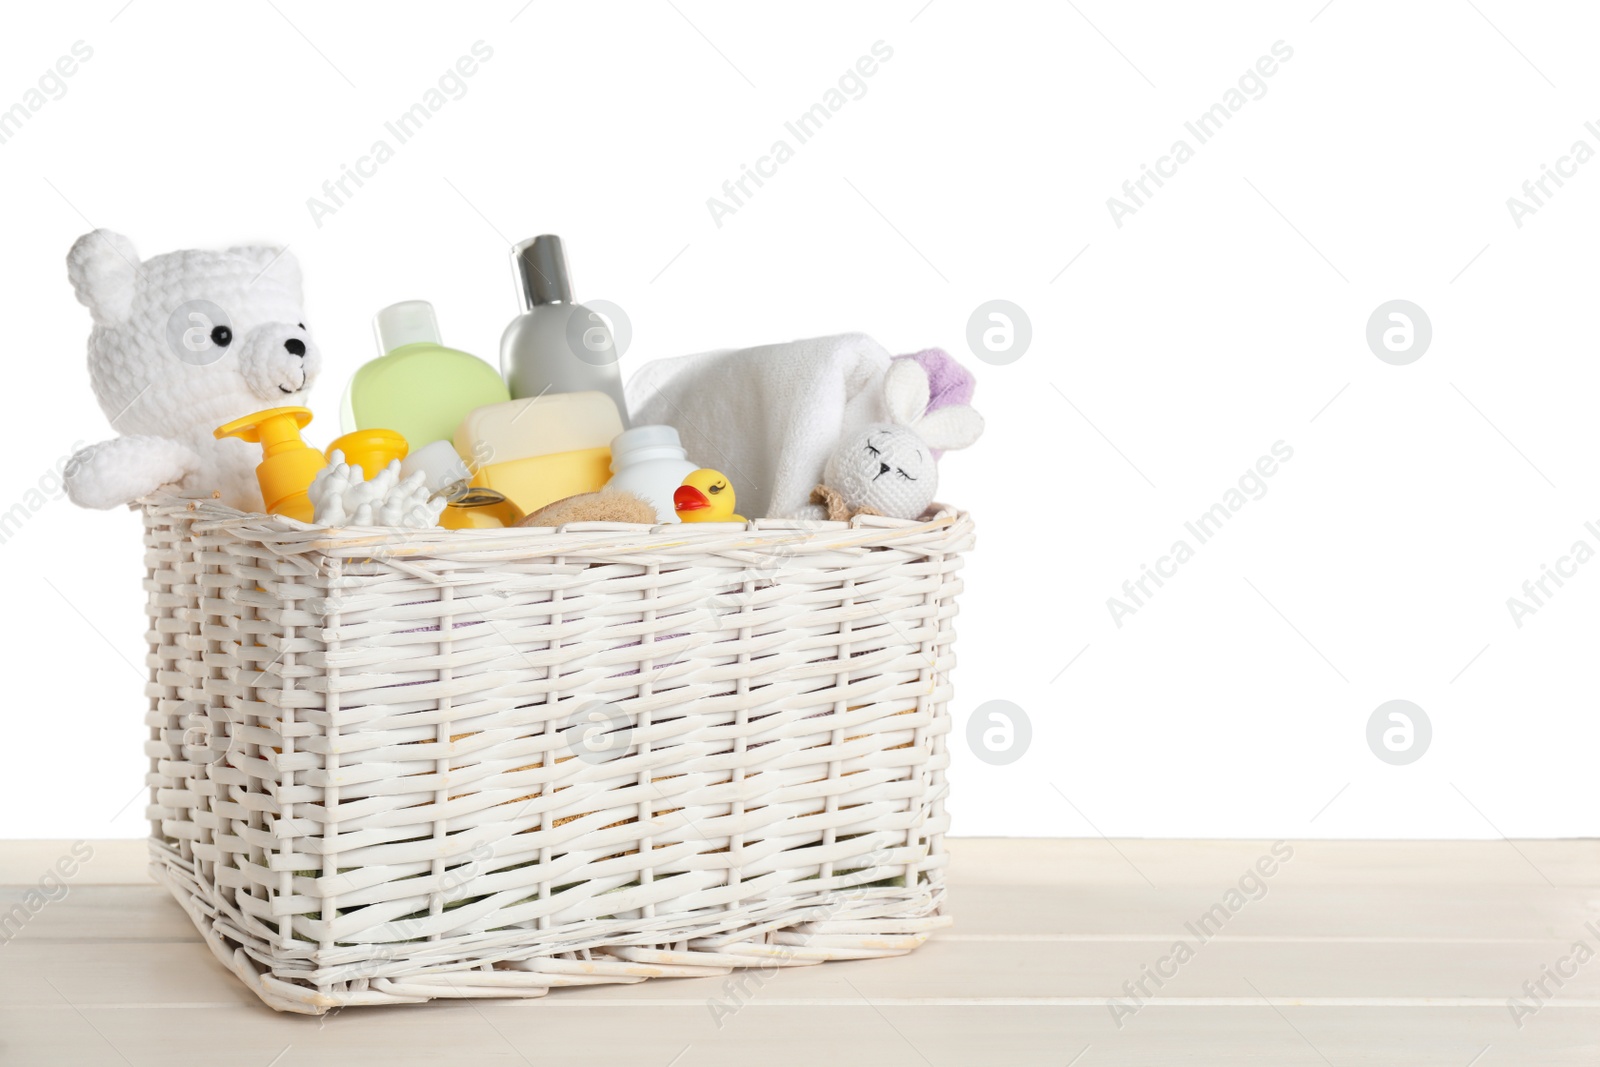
x,y
688,498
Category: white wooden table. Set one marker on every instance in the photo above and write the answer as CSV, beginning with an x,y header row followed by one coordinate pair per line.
x,y
1347,953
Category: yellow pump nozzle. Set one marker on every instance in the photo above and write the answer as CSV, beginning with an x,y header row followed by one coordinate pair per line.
x,y
289,463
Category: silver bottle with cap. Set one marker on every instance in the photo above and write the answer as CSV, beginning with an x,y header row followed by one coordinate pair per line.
x,y
556,345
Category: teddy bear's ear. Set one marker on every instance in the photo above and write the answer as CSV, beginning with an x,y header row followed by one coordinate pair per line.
x,y
104,268
905,391
278,263
957,426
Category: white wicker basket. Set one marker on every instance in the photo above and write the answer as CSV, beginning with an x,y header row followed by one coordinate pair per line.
x,y
389,766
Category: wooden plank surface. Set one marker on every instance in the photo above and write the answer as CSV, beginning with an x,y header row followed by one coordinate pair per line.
x,y
1347,952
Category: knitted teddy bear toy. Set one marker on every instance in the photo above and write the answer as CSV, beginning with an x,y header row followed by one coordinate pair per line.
x,y
182,343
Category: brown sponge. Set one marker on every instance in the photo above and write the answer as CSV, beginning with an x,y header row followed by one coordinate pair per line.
x,y
608,505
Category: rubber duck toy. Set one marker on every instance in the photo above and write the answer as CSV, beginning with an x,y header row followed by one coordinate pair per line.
x,y
705,496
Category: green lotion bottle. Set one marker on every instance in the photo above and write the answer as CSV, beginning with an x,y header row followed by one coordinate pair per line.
x,y
418,387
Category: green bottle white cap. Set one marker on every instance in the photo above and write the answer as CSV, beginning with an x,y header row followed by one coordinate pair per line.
x,y
409,322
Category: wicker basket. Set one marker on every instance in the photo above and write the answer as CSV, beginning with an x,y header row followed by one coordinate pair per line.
x,y
390,766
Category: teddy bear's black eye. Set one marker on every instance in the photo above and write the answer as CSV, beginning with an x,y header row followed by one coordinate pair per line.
x,y
301,325
221,336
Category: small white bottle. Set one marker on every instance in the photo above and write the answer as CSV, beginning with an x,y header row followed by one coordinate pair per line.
x,y
650,462
443,471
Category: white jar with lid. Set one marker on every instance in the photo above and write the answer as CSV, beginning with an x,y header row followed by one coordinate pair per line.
x,y
650,462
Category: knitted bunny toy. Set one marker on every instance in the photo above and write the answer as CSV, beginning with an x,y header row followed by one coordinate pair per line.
x,y
889,468
181,344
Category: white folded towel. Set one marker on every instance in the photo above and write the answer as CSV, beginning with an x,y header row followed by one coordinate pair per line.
x,y
766,417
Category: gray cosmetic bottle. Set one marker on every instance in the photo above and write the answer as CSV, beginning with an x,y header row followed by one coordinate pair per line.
x,y
556,345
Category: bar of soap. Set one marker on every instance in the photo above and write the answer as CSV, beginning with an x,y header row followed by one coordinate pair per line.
x,y
546,425
534,481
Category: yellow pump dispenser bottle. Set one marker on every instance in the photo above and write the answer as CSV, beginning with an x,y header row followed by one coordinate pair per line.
x,y
289,463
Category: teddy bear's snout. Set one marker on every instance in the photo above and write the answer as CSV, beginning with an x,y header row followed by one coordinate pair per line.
x,y
279,359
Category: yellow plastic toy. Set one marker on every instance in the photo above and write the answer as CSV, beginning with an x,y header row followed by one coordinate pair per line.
x,y
480,509
705,496
371,450
289,464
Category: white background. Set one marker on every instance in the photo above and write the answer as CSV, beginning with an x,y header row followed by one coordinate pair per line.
x,y
1227,314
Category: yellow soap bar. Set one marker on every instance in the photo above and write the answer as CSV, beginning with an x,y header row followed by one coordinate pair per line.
x,y
537,426
533,482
